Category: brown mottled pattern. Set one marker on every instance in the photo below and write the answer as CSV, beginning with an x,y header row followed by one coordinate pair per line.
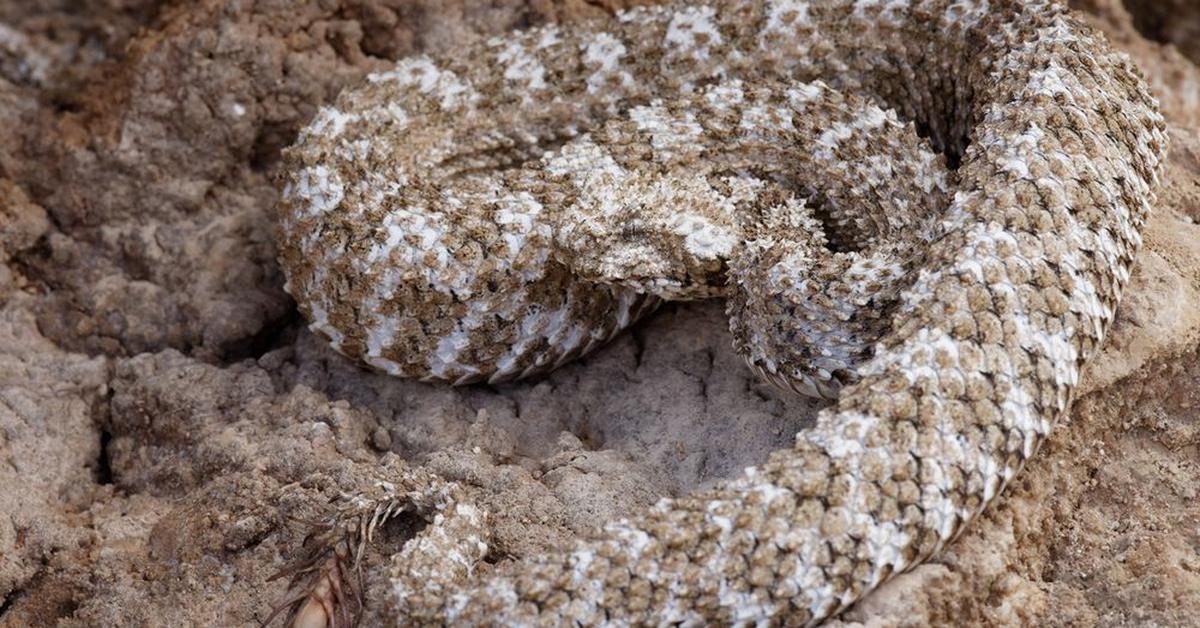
x,y
493,214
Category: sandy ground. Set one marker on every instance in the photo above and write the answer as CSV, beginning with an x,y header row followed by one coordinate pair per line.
x,y
168,426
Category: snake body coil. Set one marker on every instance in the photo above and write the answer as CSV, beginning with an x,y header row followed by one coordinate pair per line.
x,y
926,209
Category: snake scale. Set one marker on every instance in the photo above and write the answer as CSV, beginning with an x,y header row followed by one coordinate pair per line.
x,y
925,209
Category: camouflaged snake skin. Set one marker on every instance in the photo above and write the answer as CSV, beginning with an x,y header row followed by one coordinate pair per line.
x,y
494,214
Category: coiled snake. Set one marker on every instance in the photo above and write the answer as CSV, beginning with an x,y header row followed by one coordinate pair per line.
x,y
925,209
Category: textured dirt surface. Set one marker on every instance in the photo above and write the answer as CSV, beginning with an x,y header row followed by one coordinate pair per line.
x,y
168,427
